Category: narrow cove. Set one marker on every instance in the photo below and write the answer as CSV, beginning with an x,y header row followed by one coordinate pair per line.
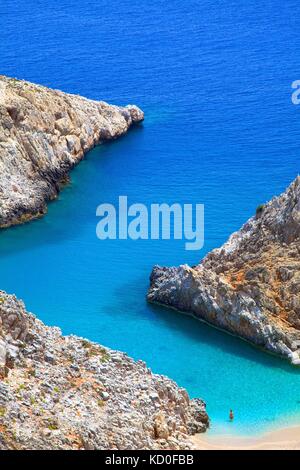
x,y
96,289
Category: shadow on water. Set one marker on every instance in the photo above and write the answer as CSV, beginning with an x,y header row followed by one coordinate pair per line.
x,y
200,331
48,229
131,298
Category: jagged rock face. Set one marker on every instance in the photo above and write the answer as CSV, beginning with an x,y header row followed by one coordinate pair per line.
x,y
251,285
61,392
43,134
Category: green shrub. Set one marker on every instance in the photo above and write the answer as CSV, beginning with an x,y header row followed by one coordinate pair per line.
x,y
260,209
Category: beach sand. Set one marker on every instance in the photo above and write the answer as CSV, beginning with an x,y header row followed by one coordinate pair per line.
x,y
283,439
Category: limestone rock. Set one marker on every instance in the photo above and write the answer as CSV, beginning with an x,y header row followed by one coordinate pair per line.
x,y
69,393
161,427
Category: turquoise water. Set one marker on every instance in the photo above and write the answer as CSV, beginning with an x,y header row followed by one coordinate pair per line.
x,y
220,129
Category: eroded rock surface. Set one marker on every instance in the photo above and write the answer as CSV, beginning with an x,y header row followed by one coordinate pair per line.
x,y
251,285
60,392
43,134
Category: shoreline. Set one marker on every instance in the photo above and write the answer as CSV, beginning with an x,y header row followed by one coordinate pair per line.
x,y
280,439
227,332
227,288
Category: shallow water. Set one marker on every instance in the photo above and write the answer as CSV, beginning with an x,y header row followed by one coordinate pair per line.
x,y
220,129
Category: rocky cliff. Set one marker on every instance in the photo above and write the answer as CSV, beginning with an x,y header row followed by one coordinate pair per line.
x,y
250,286
60,392
43,134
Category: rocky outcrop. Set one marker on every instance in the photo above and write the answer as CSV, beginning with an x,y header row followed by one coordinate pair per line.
x,y
65,392
43,134
250,286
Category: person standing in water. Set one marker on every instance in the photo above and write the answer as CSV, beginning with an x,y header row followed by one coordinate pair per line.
x,y
231,415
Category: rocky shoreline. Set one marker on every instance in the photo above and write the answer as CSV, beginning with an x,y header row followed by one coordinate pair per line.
x,y
250,287
65,392
44,133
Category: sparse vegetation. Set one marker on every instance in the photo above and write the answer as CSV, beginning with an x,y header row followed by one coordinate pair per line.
x,y
52,425
20,388
95,350
260,209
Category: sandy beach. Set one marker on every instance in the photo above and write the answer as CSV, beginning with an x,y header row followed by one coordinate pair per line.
x,y
283,439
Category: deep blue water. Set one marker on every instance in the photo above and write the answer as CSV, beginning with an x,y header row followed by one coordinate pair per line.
x,y
214,79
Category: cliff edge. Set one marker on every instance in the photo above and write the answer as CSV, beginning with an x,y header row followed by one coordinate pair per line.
x,y
43,134
250,286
